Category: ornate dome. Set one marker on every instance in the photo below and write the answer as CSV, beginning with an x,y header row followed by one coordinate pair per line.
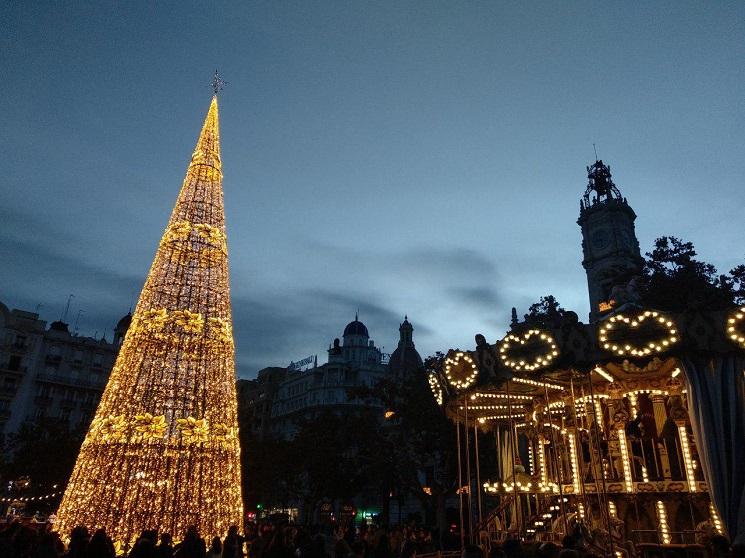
x,y
404,359
59,325
356,328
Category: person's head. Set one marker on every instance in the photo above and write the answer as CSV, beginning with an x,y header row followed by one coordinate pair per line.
x,y
359,549
165,539
719,545
569,542
233,530
191,533
472,551
216,546
99,534
497,552
512,547
548,550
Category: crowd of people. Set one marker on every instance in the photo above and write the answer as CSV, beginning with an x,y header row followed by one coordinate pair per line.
x,y
289,541
258,541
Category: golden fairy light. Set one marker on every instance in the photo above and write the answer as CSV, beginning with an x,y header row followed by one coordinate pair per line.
x,y
162,451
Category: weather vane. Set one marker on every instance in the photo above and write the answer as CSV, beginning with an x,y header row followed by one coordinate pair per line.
x,y
218,83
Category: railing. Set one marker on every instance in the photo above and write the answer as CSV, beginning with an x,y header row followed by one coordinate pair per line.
x,y
17,370
652,536
441,554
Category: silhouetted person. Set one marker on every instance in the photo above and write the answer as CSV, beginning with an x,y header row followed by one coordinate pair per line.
x,y
100,546
145,545
165,548
215,550
79,538
233,545
47,547
193,546
278,546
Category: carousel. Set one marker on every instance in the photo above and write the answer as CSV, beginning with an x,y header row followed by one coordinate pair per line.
x,y
627,433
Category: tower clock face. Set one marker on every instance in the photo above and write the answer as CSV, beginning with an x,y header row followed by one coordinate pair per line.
x,y
601,239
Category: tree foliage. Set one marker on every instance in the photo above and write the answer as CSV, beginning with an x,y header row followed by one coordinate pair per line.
x,y
45,451
675,280
546,310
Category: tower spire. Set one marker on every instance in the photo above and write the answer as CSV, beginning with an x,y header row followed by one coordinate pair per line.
x,y
162,451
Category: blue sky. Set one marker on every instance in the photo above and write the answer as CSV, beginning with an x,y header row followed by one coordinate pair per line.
x,y
420,158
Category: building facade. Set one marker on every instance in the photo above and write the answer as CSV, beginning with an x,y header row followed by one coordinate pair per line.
x,y
353,361
255,398
50,373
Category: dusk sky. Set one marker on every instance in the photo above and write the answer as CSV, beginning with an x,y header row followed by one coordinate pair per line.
x,y
420,158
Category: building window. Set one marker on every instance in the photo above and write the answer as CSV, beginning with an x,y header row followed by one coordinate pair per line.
x,y
45,390
20,342
14,363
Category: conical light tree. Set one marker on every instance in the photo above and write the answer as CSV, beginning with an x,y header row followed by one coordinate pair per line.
x,y
162,451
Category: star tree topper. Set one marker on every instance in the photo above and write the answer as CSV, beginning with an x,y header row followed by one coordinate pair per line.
x,y
218,84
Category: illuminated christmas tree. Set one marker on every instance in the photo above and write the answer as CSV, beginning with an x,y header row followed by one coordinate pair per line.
x,y
162,451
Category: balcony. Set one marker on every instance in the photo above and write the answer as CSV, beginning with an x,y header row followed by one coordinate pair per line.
x,y
43,400
8,389
18,370
59,379
68,403
88,405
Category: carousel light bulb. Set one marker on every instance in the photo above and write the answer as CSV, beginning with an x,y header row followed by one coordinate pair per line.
x,y
662,519
628,481
715,518
686,449
573,462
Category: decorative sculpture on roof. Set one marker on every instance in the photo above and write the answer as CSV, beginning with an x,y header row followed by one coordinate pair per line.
x,y
600,182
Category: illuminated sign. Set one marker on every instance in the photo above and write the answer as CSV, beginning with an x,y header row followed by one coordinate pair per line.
x,y
304,364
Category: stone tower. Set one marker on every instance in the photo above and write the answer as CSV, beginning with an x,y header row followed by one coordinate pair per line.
x,y
609,246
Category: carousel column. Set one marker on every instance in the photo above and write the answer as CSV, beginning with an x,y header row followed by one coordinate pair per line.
x,y
660,418
618,442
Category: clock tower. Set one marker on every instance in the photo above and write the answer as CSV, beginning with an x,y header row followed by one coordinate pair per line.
x,y
609,244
